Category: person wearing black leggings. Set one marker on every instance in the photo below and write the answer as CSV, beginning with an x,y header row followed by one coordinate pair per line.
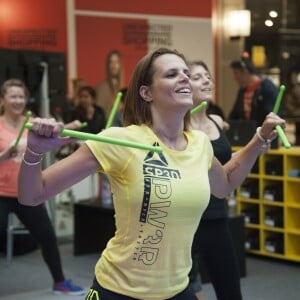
x,y
13,97
212,240
43,233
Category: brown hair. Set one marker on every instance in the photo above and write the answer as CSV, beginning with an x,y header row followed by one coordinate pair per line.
x,y
137,110
120,76
89,89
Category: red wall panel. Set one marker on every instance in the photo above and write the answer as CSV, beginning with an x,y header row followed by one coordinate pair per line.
x,y
33,24
41,25
96,36
191,8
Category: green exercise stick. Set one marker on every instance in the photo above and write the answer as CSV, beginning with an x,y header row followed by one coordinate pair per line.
x,y
275,110
278,99
28,115
282,136
114,110
90,136
83,124
198,107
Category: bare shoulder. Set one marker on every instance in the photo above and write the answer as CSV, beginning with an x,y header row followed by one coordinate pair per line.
x,y
220,121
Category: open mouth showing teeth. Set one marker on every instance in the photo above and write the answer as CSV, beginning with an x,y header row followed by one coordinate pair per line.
x,y
184,91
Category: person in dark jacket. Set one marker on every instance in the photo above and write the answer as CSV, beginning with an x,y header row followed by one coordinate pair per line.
x,y
256,96
87,111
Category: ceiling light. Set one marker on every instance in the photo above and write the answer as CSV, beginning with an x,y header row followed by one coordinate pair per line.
x,y
238,23
269,23
273,14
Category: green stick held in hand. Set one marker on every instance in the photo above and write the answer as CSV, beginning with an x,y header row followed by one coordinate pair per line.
x,y
282,136
83,124
114,110
278,127
28,115
198,107
90,136
278,99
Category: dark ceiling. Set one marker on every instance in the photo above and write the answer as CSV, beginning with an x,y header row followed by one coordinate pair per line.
x,y
288,14
281,42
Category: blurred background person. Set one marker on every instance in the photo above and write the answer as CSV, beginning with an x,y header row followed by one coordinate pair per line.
x,y
77,83
14,96
106,90
94,116
256,95
213,241
64,113
87,111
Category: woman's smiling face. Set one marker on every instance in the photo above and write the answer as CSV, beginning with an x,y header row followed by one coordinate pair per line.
x,y
14,100
202,84
171,85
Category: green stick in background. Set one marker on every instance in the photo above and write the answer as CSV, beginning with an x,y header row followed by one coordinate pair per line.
x,y
28,115
114,110
275,110
198,107
90,136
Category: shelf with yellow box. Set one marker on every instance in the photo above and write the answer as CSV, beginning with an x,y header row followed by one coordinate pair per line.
x,y
269,200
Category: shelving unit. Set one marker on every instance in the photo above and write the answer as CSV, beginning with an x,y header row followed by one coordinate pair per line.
x,y
269,200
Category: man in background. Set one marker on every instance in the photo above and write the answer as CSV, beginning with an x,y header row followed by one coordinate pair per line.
x,y
256,95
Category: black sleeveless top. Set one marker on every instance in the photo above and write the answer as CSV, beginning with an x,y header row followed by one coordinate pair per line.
x,y
217,208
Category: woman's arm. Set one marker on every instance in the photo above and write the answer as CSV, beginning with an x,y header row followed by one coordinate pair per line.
x,y
35,185
73,125
224,179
